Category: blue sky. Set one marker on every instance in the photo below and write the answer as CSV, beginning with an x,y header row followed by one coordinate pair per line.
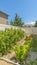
x,y
26,9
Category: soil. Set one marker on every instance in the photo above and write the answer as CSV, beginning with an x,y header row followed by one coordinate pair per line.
x,y
4,63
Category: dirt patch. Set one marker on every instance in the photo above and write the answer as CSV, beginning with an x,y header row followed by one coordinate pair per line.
x,y
4,63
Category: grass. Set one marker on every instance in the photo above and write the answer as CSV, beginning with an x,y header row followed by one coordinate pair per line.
x,y
34,43
32,62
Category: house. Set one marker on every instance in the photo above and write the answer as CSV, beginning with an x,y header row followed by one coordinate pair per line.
x,y
3,18
27,25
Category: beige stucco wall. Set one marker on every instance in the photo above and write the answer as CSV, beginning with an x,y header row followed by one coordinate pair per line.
x,y
3,21
3,18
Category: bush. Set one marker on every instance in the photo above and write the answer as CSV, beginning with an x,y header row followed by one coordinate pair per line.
x,y
28,37
8,39
22,51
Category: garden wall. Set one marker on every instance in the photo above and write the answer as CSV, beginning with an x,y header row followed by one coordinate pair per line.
x,y
31,30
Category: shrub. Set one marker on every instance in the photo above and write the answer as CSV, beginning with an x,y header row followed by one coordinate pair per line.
x,y
22,51
8,39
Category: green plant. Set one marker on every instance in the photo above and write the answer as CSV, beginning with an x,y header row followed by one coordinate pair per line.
x,y
35,25
8,39
32,62
22,52
34,43
17,21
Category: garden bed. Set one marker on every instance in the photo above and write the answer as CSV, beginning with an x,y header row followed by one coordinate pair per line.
x,y
8,39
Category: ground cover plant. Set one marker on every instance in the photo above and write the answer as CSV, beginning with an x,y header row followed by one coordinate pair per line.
x,y
32,62
34,43
8,39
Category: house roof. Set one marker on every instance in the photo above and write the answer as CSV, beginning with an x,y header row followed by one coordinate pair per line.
x,y
4,13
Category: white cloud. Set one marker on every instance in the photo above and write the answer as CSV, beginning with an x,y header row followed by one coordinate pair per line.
x,y
32,22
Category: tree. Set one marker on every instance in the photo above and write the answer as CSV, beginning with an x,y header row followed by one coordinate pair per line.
x,y
17,21
11,22
35,24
